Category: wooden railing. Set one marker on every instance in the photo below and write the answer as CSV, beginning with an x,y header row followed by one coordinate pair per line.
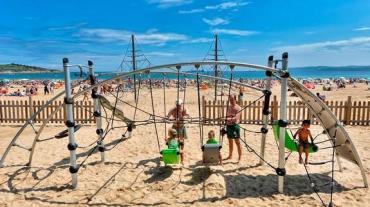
x,y
18,111
349,112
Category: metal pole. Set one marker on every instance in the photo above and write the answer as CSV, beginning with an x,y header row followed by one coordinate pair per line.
x,y
338,161
216,67
133,61
68,100
283,122
266,107
97,111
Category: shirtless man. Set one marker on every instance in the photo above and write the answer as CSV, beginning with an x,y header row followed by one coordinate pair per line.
x,y
179,113
232,126
303,134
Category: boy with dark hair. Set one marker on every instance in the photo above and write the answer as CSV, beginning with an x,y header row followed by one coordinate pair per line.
x,y
303,144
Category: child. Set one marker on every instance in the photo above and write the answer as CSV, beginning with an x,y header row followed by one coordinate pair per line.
x,y
173,143
212,140
303,134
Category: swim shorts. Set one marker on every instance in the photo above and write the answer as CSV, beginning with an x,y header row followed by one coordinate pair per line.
x,y
233,131
181,131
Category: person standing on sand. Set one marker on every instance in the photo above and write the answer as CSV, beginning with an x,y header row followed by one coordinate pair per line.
x,y
179,113
241,93
232,127
46,89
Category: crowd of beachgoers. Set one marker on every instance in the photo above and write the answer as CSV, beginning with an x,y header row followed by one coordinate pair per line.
x,y
46,87
28,87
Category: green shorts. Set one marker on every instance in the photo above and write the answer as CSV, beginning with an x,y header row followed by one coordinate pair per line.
x,y
233,131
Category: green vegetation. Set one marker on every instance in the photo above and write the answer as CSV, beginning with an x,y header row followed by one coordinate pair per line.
x,y
18,68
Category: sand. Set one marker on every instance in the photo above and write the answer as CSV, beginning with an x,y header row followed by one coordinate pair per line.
x,y
133,174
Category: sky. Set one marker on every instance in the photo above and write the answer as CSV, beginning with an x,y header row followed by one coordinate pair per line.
x,y
315,32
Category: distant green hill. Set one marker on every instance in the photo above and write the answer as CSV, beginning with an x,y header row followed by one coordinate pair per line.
x,y
18,68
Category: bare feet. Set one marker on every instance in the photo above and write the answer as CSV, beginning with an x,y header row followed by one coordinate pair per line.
x,y
228,158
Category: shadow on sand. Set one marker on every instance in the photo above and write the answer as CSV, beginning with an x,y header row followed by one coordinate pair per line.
x,y
237,185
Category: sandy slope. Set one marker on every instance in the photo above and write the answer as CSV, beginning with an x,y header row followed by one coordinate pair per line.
x,y
134,175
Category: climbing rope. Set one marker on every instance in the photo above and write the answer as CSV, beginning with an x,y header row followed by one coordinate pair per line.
x,y
178,99
164,104
227,104
250,149
137,97
199,111
155,124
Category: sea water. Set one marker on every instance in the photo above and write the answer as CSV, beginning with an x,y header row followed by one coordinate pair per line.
x,y
304,73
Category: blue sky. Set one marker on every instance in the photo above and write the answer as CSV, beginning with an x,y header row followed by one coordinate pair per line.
x,y
316,32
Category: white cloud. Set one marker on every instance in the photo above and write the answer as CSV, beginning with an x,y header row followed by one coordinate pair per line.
x,y
68,27
234,5
160,54
233,32
169,3
362,29
228,5
198,40
192,11
352,43
310,32
123,36
215,21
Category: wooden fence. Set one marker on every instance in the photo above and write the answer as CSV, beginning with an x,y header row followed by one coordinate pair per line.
x,y
349,112
13,112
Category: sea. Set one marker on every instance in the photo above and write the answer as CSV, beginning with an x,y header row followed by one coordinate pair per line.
x,y
300,73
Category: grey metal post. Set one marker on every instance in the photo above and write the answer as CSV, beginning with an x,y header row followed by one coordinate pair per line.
x,y
338,161
283,122
97,111
266,107
68,100
216,66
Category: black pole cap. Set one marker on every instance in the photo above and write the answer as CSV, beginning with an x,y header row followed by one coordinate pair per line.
x,y
101,149
267,92
268,73
285,55
69,123
73,169
99,131
285,75
280,171
96,114
178,67
315,148
90,63
264,130
271,58
65,60
72,146
282,123
130,127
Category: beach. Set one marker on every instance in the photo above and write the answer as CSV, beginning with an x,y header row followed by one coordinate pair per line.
x,y
133,174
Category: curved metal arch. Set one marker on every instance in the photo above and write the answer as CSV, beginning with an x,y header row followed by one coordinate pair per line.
x,y
216,78
200,63
120,75
29,121
30,158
